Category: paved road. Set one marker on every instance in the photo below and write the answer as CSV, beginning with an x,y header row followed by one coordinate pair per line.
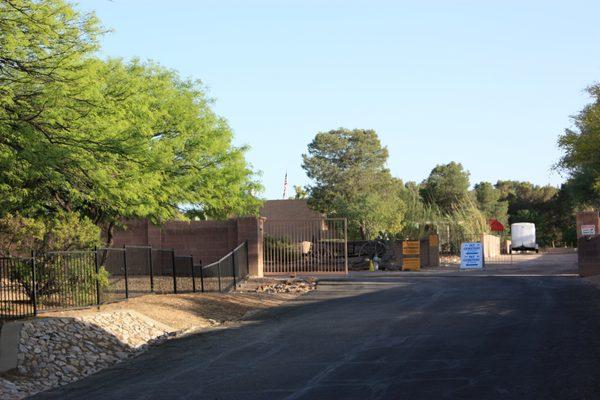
x,y
461,336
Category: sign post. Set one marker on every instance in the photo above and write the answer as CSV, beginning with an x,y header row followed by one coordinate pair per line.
x,y
471,256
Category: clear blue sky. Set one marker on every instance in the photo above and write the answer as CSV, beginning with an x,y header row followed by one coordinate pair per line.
x,y
490,84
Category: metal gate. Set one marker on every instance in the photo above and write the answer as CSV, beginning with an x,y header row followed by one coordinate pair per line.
x,y
311,246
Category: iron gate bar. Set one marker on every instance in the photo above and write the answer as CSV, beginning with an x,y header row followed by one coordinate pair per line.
x,y
305,246
33,284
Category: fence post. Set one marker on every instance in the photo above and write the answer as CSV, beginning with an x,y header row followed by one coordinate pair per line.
x,y
174,271
34,284
219,270
201,277
247,259
97,276
346,246
233,269
151,269
125,269
193,275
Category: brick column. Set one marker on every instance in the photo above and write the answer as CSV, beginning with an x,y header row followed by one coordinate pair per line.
x,y
587,218
251,229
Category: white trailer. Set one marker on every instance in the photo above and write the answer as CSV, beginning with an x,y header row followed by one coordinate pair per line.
x,y
523,237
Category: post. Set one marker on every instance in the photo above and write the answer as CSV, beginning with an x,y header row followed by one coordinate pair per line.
x,y
201,277
483,251
233,269
97,276
174,271
219,269
34,284
193,276
125,268
247,259
151,269
346,245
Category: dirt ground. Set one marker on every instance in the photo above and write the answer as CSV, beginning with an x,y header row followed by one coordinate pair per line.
x,y
191,310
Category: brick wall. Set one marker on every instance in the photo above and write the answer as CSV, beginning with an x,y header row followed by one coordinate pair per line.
x,y
288,209
587,218
206,241
588,255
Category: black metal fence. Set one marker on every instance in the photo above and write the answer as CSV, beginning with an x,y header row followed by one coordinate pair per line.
x,y
76,279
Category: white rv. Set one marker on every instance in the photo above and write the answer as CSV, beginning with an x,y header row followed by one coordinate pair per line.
x,y
523,237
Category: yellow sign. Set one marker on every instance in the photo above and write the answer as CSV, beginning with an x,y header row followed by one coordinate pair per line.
x,y
411,264
411,247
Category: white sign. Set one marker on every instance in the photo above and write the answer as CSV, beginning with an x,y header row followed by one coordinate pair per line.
x,y
471,256
588,230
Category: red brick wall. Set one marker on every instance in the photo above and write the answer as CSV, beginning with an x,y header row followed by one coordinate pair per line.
x,y
587,218
206,241
588,255
288,209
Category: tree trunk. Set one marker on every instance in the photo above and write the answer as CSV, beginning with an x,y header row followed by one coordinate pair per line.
x,y
110,231
363,232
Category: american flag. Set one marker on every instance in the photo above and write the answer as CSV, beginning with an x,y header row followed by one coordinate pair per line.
x,y
285,187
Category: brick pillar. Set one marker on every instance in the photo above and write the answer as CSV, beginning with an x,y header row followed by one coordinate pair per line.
x,y
434,250
586,219
251,229
424,249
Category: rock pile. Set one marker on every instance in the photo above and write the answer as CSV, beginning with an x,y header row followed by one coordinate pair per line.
x,y
56,351
288,286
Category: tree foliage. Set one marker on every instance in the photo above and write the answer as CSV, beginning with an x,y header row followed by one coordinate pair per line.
x,y
63,231
581,146
447,185
350,180
488,201
550,208
106,139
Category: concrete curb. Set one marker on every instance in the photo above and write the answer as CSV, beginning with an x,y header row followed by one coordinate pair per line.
x,y
9,345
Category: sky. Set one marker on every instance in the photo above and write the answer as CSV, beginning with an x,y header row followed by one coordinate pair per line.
x,y
489,84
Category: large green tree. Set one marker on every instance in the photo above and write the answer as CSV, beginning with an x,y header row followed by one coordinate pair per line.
x,y
550,208
581,146
446,186
106,139
488,201
350,179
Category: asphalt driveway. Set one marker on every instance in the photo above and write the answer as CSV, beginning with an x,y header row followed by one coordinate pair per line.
x,y
423,337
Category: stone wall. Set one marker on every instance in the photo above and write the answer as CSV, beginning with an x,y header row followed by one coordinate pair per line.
x,y
57,351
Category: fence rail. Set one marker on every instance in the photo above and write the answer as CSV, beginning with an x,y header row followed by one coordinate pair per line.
x,y
77,279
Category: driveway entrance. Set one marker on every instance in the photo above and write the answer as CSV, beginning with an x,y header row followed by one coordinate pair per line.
x,y
425,337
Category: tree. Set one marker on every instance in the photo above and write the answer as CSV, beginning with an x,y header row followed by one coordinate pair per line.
x,y
551,209
488,201
447,185
49,237
299,193
350,180
581,147
106,139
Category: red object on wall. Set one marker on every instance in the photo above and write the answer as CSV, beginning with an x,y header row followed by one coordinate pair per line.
x,y
495,225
